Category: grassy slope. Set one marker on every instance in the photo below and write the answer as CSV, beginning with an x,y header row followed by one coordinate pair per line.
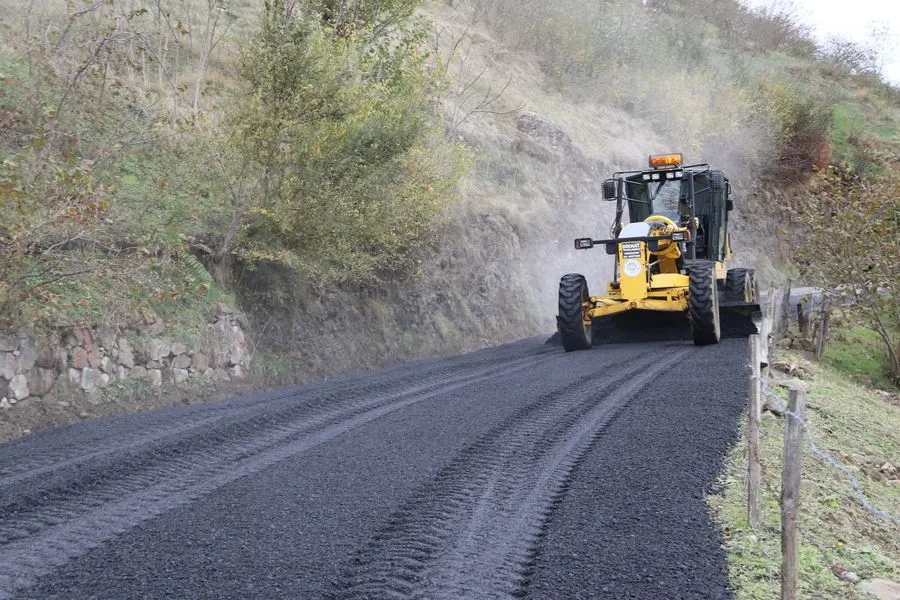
x,y
857,426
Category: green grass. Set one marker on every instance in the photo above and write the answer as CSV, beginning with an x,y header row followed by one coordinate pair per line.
x,y
276,370
165,192
124,290
859,428
860,353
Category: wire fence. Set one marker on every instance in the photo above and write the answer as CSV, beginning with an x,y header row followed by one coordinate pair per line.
x,y
828,459
775,324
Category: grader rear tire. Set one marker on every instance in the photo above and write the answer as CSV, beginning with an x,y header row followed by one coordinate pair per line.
x,y
740,286
704,304
737,286
574,330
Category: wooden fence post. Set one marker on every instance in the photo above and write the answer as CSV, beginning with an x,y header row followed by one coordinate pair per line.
x,y
802,320
770,316
790,493
785,317
754,410
822,329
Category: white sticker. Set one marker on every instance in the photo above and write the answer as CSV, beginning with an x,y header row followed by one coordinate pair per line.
x,y
632,267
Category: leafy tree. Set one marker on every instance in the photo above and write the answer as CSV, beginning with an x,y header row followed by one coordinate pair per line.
x,y
352,16
850,245
345,150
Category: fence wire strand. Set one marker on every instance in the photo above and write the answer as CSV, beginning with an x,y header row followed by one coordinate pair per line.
x,y
825,457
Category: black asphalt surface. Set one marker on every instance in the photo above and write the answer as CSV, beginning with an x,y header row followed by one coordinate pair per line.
x,y
516,471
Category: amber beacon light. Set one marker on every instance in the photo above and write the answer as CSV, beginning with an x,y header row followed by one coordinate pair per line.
x,y
658,161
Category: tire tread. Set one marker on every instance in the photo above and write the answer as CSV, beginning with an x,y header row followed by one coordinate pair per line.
x,y
572,293
703,304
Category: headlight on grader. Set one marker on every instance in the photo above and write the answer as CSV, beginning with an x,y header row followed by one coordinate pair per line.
x,y
584,243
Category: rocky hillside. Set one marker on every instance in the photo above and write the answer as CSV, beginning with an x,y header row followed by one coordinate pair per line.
x,y
424,200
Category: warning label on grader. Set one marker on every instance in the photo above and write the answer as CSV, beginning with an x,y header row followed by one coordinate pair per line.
x,y
631,250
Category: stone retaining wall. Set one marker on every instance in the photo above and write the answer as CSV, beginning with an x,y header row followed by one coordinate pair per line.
x,y
87,359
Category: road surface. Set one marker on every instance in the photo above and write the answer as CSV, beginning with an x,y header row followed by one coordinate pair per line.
x,y
518,471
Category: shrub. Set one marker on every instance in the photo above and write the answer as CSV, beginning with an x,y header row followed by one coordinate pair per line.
x,y
342,144
802,128
849,234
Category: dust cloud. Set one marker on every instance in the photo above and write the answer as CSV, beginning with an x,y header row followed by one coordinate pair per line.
x,y
585,89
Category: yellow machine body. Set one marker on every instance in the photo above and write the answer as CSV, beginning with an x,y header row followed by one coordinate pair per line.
x,y
670,262
647,279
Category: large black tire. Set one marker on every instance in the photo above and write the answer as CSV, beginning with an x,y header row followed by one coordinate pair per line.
x,y
574,332
704,304
738,286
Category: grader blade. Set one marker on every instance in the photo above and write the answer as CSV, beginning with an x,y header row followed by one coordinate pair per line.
x,y
740,319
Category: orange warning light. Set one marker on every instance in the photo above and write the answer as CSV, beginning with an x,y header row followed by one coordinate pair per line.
x,y
659,161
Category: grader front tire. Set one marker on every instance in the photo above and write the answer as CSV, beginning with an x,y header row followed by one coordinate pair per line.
x,y
704,304
574,327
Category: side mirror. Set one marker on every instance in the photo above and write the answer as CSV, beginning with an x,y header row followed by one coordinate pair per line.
x,y
609,189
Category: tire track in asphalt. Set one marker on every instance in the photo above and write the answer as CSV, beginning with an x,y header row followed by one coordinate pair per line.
x,y
35,465
38,539
634,523
474,530
49,475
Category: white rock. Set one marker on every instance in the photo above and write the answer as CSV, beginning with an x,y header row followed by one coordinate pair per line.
x,y
89,379
126,353
182,361
4,403
8,343
155,377
27,355
18,387
8,366
850,576
158,349
179,375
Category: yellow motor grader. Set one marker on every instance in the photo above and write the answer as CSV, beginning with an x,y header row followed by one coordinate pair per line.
x,y
670,256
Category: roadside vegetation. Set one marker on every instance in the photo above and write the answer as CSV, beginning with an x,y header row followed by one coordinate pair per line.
x,y
843,541
849,233
375,181
139,173
372,181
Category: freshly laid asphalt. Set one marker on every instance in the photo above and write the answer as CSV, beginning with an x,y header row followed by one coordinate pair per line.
x,y
516,471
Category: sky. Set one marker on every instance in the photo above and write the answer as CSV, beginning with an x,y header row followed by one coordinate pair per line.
x,y
853,20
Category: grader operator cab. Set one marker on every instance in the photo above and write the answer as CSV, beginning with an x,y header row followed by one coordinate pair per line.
x,y
670,256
